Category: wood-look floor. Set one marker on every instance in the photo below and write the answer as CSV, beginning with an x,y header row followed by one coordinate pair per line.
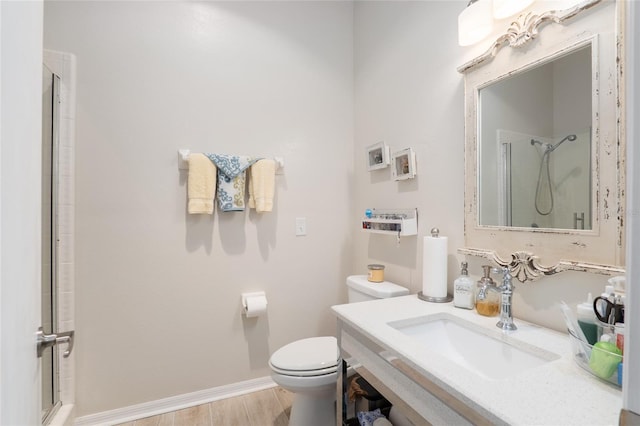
x,y
269,407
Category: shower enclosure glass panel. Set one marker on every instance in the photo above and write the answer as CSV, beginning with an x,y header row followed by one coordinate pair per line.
x,y
542,186
50,143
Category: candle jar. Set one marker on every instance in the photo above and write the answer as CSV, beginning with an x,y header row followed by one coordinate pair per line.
x,y
376,273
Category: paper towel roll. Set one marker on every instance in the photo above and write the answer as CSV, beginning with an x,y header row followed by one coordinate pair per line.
x,y
255,305
434,266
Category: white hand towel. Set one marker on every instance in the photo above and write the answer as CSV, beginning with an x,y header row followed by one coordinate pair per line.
x,y
201,184
262,185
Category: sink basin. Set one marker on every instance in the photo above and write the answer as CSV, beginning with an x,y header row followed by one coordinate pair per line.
x,y
488,353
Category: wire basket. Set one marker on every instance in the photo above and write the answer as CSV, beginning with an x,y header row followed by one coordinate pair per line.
x,y
602,364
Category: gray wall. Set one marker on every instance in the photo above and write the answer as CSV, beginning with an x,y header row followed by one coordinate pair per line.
x,y
158,291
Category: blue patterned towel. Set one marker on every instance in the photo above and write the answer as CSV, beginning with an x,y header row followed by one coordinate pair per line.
x,y
366,418
231,180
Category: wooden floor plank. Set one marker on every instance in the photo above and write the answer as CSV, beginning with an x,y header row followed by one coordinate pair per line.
x,y
286,399
264,409
270,407
148,421
199,415
229,412
166,419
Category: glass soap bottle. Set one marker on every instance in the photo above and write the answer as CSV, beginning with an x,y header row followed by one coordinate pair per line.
x,y
487,295
463,291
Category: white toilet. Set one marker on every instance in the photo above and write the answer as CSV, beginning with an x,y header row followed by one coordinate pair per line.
x,y
309,367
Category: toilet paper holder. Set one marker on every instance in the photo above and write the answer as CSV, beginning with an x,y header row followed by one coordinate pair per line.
x,y
246,296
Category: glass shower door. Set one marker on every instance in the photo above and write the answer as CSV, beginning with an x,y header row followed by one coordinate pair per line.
x,y
50,111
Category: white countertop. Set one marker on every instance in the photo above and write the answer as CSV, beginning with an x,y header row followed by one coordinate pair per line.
x,y
558,392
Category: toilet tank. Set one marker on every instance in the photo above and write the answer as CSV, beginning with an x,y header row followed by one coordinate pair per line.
x,y
360,289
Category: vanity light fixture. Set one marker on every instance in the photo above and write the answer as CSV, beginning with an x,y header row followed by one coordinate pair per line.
x,y
505,8
475,22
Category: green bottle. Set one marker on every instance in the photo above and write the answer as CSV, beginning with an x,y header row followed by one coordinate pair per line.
x,y
587,320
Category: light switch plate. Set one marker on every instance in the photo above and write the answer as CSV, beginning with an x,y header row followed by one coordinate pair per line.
x,y
301,226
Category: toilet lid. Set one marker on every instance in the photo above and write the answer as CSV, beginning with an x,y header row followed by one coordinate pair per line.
x,y
316,353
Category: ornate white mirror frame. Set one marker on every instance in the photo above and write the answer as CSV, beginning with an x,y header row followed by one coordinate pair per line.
x,y
532,253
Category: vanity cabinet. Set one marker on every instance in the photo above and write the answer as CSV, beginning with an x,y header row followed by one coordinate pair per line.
x,y
412,391
433,378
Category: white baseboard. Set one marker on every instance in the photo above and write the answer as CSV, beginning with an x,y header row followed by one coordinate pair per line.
x,y
64,416
173,403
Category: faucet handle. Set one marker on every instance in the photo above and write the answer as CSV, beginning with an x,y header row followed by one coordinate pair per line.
x,y
503,270
506,276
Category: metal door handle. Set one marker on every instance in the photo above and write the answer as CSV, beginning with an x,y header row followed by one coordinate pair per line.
x,y
46,340
578,218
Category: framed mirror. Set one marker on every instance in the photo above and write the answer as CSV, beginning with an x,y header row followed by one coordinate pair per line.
x,y
544,149
536,126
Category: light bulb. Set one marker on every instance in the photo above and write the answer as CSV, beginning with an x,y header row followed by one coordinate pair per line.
x,y
475,22
505,8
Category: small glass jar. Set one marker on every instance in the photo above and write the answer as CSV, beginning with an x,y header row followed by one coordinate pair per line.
x,y
376,273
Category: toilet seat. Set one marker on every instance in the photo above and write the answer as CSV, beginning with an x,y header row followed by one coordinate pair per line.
x,y
315,356
304,373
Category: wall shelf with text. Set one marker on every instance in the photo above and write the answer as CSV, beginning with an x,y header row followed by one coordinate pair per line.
x,y
399,222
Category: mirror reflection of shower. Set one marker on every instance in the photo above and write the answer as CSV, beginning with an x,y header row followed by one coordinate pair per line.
x,y
544,175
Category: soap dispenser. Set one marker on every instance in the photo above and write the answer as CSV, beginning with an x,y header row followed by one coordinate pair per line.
x,y
463,291
587,320
487,294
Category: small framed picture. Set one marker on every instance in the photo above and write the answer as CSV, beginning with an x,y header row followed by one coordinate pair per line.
x,y
403,164
377,156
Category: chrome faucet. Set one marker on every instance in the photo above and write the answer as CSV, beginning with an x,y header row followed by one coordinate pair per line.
x,y
506,291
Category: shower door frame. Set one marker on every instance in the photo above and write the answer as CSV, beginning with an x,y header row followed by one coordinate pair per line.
x,y
50,146
64,66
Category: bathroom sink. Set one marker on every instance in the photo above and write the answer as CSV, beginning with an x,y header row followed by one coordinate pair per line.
x,y
488,353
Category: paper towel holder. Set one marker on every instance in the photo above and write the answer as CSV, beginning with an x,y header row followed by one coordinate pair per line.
x,y
447,298
246,296
435,233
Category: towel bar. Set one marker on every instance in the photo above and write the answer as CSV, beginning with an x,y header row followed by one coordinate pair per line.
x,y
183,161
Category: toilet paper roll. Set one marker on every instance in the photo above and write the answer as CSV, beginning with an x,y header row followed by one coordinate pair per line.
x,y
398,419
434,266
255,306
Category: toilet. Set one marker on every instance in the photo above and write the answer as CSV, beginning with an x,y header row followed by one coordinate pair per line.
x,y
309,367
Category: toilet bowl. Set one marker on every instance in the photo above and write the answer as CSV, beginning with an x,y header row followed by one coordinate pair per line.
x,y
309,367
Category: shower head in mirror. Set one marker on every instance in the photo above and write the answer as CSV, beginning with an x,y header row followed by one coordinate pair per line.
x,y
549,147
569,138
